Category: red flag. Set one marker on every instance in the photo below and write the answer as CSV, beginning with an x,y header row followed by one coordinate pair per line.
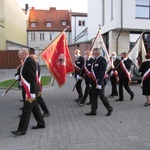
x,y
57,59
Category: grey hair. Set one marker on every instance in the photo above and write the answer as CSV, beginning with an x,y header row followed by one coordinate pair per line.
x,y
98,50
23,51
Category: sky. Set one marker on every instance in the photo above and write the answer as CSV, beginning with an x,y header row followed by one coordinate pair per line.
x,y
74,5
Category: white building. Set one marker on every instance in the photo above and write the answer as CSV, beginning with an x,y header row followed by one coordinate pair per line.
x,y
120,21
79,23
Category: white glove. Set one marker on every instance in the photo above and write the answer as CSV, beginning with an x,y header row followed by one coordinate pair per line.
x,y
71,75
99,87
79,77
33,96
17,77
111,73
20,83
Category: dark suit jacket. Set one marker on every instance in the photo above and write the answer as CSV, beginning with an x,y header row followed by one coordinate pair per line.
x,y
99,68
88,65
79,62
29,73
144,67
128,64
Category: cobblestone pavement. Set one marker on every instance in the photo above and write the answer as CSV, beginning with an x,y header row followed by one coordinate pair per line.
x,y
128,128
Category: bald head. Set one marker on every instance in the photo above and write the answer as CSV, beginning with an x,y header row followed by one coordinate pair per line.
x,y
34,57
87,54
77,53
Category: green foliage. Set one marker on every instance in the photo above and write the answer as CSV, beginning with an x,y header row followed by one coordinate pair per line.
x,y
45,81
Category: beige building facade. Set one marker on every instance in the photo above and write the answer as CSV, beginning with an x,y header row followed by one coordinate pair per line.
x,y
13,25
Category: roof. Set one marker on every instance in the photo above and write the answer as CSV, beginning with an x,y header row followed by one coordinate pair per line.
x,y
79,14
55,17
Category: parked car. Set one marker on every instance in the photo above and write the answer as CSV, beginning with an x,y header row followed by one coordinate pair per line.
x,y
135,75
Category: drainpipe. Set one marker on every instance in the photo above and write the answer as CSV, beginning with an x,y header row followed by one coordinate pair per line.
x,y
120,28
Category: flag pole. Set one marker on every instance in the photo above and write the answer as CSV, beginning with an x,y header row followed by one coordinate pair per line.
x,y
95,38
53,41
9,88
131,48
135,42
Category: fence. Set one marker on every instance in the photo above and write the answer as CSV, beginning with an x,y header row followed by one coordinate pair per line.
x,y
9,59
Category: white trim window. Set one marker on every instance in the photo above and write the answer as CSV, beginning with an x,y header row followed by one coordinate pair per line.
x,y
143,9
41,36
33,24
81,23
32,36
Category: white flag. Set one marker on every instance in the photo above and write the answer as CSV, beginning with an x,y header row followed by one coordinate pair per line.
x,y
137,52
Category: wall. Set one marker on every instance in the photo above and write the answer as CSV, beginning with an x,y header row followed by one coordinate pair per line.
x,y
15,23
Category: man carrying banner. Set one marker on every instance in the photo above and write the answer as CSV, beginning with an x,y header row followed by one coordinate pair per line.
x,y
78,66
124,76
145,84
29,82
98,70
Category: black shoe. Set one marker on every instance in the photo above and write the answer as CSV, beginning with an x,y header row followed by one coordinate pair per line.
x,y
146,104
119,100
81,104
109,112
88,103
46,115
18,132
111,96
38,127
77,100
132,96
91,113
21,108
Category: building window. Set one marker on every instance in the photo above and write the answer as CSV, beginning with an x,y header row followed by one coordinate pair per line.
x,y
50,36
41,36
33,24
48,24
103,12
32,36
64,23
81,23
143,9
111,9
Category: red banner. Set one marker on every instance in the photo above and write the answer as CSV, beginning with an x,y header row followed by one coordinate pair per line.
x,y
57,59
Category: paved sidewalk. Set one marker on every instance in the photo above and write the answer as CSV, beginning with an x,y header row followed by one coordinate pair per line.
x,y
69,129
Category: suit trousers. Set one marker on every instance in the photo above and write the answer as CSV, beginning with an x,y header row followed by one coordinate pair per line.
x,y
86,93
99,93
114,86
42,104
26,113
79,88
124,82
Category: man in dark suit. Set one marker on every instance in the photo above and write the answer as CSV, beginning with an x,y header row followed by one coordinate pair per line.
x,y
124,76
78,65
85,73
39,89
29,82
97,78
113,74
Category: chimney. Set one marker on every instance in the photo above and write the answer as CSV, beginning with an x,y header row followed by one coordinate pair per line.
x,y
26,8
52,8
